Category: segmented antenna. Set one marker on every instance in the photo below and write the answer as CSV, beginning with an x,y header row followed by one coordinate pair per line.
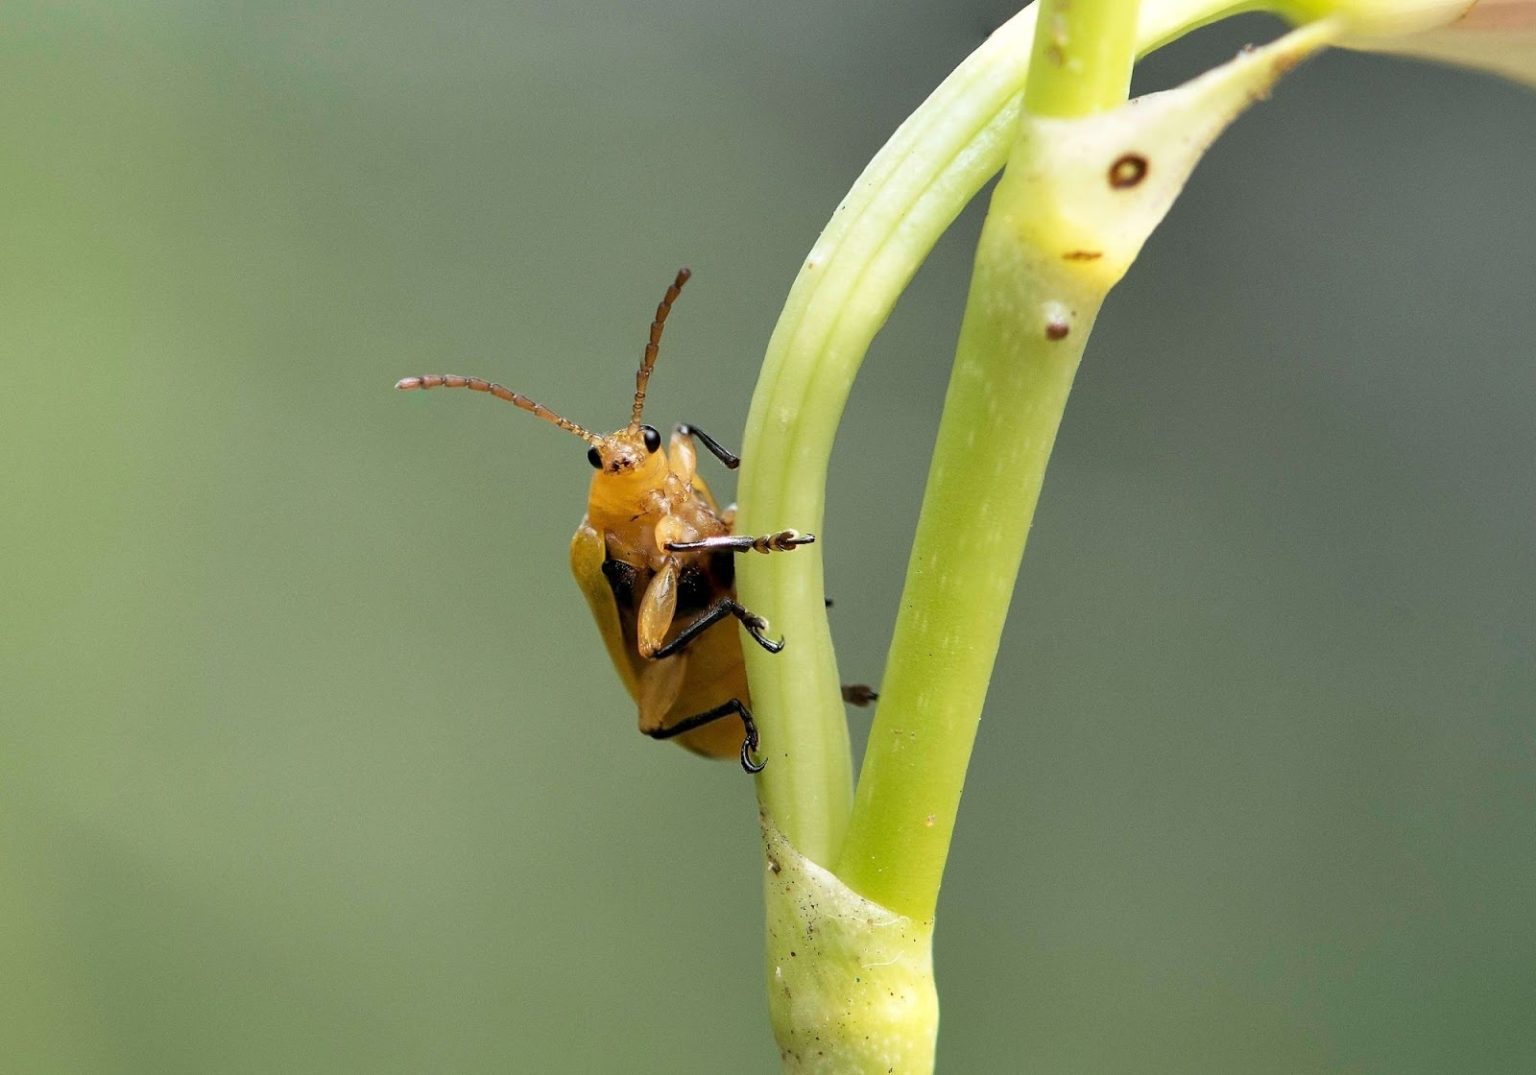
x,y
479,384
643,374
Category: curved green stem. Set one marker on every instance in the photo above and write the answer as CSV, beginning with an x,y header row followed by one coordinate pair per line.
x,y
905,199
897,209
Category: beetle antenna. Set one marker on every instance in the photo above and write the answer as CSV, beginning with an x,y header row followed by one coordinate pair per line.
x,y
643,374
479,384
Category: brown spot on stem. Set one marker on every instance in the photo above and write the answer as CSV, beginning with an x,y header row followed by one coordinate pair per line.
x,y
1054,330
1128,171
1083,255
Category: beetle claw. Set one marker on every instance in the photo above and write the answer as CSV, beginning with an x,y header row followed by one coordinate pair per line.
x,y
748,748
755,626
749,744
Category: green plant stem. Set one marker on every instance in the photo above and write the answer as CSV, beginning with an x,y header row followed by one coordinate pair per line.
x,y
897,209
1004,404
1027,321
1081,58
850,975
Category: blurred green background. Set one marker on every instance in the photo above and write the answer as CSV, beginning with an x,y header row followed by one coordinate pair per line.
x,y
310,760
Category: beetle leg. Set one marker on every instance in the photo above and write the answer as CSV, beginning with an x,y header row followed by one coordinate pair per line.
x,y
709,716
783,541
859,694
722,608
657,687
657,606
682,460
725,455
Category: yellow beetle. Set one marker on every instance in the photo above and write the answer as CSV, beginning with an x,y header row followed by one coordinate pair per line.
x,y
654,557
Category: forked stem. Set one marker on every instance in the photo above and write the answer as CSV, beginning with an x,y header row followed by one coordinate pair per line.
x,y
1084,187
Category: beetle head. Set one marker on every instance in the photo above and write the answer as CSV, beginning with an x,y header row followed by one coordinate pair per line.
x,y
629,451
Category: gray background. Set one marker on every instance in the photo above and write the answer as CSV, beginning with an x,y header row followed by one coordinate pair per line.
x,y
310,760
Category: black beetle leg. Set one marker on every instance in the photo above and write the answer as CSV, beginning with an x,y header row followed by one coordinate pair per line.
x,y
722,608
709,716
725,455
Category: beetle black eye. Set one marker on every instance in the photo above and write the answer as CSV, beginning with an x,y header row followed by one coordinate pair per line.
x,y
595,457
652,438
